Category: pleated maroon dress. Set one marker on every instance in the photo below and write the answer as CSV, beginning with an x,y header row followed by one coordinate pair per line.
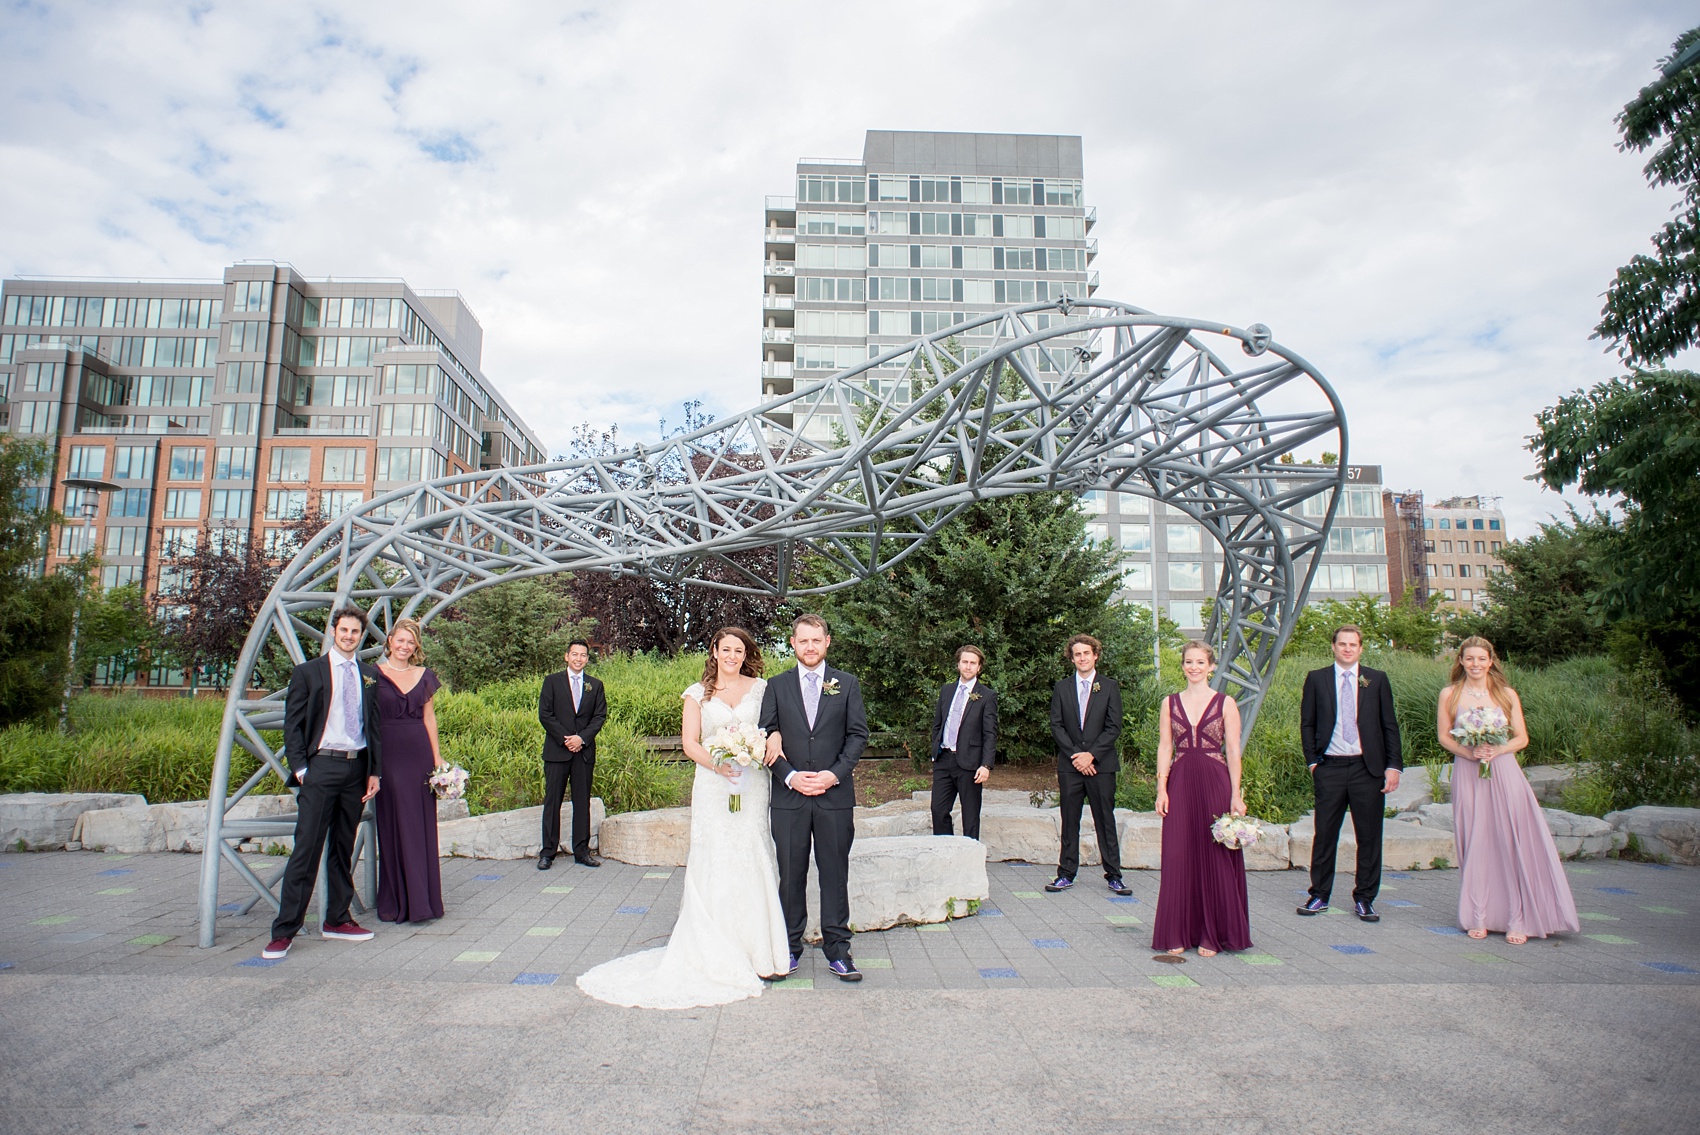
x,y
410,883
1202,898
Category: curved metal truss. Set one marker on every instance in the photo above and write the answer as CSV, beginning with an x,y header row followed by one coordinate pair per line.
x,y
855,471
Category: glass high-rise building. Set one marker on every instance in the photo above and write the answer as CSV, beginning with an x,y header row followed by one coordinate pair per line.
x,y
925,229
226,409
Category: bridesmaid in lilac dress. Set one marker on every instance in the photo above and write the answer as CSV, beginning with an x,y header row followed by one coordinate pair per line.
x,y
1202,899
410,886
1511,879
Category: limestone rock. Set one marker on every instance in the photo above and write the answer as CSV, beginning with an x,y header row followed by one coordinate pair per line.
x,y
1013,797
45,821
899,817
658,838
516,834
1436,816
457,810
1413,791
1021,832
1404,846
1671,832
1550,781
1273,851
130,831
1586,836
907,881
1140,834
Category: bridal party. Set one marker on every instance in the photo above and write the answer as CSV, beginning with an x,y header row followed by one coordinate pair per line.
x,y
774,792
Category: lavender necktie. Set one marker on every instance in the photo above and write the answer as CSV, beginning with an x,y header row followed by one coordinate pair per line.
x,y
350,699
811,697
1348,709
953,724
1085,696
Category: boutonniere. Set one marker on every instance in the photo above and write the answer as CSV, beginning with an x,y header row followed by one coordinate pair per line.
x,y
1097,686
974,697
1363,682
830,687
368,680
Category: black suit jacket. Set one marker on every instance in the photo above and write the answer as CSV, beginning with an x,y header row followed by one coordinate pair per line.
x,y
834,745
1103,722
977,739
1378,728
308,705
560,720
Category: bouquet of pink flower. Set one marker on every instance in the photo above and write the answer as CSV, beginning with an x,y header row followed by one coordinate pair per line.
x,y
1484,725
448,782
1236,832
742,745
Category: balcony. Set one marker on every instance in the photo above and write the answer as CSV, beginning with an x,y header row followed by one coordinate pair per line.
x,y
779,268
782,210
776,370
1091,217
781,237
1092,283
778,335
778,303
1091,250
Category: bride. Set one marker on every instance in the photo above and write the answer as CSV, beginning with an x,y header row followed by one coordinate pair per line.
x,y
731,931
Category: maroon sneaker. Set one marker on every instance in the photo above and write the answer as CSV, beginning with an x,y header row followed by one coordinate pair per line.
x,y
278,948
348,931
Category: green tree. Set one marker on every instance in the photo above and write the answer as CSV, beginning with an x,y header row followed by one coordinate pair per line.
x,y
1538,608
36,612
1409,624
511,630
116,628
208,599
1652,308
1014,576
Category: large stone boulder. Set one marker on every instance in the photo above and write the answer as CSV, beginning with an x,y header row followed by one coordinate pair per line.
x,y
1550,781
1436,816
130,831
1140,834
658,838
1405,846
518,834
907,881
1582,836
47,821
1012,797
899,817
1273,851
1413,791
1671,832
1020,832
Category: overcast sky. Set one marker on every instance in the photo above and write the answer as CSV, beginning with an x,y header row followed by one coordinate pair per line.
x,y
1424,200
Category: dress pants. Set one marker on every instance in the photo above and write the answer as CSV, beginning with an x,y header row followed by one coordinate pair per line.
x,y
831,831
327,815
952,782
1098,790
1341,783
580,770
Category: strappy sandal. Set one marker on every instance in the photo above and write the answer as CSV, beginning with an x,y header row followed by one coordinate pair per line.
x,y
1203,953
1516,939
1478,935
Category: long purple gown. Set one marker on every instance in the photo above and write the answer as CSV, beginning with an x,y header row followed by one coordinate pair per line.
x,y
1510,876
1202,898
410,883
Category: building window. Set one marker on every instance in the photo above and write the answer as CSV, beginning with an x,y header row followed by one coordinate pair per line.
x,y
1446,570
1481,548
183,504
1464,571
126,541
1465,595
1135,537
243,378
1428,545
1493,525
1431,570
1445,523
1186,575
121,575
187,463
1136,575
1497,545
344,465
176,542
1477,524
133,463
334,502
1185,538
233,463
1451,596
87,461
1097,532
289,464
240,418
1188,614
1445,546
232,504
281,544
130,502
251,295
286,504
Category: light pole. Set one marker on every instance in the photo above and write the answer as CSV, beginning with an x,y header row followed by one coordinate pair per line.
x,y
90,508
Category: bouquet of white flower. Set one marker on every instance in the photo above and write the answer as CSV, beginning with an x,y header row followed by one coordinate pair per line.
x,y
1483,725
1236,832
742,745
448,782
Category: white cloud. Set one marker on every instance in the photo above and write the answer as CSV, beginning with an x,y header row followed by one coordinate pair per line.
x,y
1423,200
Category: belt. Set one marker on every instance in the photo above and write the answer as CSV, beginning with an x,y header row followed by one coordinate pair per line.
x,y
1342,756
345,754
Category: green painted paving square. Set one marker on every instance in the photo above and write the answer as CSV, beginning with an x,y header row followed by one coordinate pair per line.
x,y
557,890
1612,939
117,891
793,983
1122,920
1486,959
658,874
1261,960
478,955
1664,910
54,920
545,932
1593,916
873,963
1026,895
151,940
1173,980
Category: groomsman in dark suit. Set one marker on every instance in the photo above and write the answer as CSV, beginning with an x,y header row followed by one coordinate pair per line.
x,y
331,741
1086,720
965,741
1351,743
816,731
572,708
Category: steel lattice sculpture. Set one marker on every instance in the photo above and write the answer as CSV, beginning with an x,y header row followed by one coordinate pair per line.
x,y
1074,395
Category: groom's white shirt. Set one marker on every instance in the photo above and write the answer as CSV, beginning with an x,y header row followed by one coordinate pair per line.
x,y
819,672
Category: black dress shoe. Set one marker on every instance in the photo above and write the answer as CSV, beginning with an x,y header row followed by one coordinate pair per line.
x,y
587,860
544,862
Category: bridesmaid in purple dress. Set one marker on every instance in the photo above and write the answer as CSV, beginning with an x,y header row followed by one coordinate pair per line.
x,y
1510,876
410,887
1202,899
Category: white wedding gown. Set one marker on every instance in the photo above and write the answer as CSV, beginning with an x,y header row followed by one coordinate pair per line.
x,y
731,931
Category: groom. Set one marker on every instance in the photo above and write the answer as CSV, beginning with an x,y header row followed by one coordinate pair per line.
x,y
816,731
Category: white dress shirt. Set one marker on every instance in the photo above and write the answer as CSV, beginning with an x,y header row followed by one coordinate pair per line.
x,y
819,671
957,711
1337,744
343,669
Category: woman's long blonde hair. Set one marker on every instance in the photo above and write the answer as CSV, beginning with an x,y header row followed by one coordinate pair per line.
x,y
1498,688
412,627
751,668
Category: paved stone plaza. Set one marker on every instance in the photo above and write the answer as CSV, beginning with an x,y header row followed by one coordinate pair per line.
x,y
1042,1012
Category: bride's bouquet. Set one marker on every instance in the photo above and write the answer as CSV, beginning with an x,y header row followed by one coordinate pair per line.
x,y
448,782
741,744
1481,726
1236,832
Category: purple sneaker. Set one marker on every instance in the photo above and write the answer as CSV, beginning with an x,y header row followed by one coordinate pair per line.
x,y
1314,905
1063,883
1120,888
845,969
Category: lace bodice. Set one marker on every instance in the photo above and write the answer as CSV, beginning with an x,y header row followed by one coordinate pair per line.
x,y
1209,734
716,714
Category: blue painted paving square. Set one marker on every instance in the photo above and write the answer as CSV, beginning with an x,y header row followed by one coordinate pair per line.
x,y
1050,943
1005,972
1353,949
632,910
537,979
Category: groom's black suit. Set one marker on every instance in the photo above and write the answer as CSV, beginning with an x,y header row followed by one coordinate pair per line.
x,y
834,744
